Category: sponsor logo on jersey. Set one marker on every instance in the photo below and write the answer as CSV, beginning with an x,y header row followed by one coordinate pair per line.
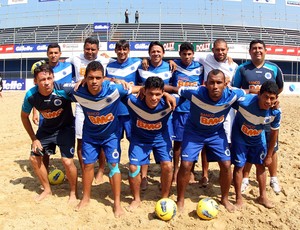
x,y
51,114
148,126
254,87
211,120
186,83
101,120
250,132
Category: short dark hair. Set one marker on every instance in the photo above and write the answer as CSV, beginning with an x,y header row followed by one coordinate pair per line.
x,y
94,66
219,40
269,87
91,40
255,42
186,46
53,45
154,82
42,68
122,43
215,72
156,43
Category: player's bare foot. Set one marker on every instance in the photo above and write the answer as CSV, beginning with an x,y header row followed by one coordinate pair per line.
x,y
203,182
180,206
239,203
72,199
192,179
265,202
134,205
229,206
99,178
82,204
118,211
43,195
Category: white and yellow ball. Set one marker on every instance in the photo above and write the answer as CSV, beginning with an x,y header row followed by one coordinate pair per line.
x,y
56,176
165,209
207,208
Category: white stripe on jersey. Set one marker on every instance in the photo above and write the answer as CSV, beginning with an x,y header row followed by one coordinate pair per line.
x,y
98,105
186,72
123,72
62,73
148,116
256,120
163,75
212,108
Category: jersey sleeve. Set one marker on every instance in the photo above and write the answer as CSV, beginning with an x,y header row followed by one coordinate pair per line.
x,y
276,122
187,92
279,79
237,78
26,106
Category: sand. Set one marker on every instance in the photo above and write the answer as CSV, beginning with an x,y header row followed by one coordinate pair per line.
x,y
20,186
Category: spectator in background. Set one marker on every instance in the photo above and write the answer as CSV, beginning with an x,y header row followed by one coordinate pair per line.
x,y
126,16
137,15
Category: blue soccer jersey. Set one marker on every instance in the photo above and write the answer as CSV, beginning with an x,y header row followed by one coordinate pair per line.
x,y
148,125
55,109
191,75
162,71
207,116
247,76
126,71
248,126
64,72
101,120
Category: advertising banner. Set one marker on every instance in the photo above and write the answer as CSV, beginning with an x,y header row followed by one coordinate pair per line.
x,y
30,48
18,84
101,26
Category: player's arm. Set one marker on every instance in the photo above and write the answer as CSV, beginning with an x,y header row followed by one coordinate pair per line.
x,y
36,144
35,116
272,143
171,89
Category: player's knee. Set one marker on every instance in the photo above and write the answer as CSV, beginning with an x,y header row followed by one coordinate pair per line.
x,y
113,169
134,170
67,162
167,166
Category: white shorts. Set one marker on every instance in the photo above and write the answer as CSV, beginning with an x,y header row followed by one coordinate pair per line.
x,y
79,118
228,124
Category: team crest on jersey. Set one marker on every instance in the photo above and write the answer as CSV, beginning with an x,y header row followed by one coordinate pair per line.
x,y
115,154
230,69
163,113
72,150
57,102
226,106
227,152
166,75
132,68
262,155
64,73
267,120
108,100
197,72
268,75
171,153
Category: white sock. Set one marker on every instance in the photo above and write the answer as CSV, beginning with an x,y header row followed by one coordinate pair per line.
x,y
274,178
245,180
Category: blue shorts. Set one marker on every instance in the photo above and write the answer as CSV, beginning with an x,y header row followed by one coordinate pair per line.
x,y
63,138
139,153
240,154
179,120
91,150
216,145
268,134
125,125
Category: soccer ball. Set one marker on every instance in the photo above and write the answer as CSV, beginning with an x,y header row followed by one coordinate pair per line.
x,y
56,176
207,208
165,209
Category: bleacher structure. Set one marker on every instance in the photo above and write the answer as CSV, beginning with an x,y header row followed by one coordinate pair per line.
x,y
76,33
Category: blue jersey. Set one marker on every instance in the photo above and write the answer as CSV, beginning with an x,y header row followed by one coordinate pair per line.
x,y
206,116
100,111
55,109
64,72
248,126
148,125
126,71
162,71
247,76
191,75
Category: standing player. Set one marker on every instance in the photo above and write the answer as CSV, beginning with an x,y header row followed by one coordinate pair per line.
x,y
250,76
188,73
57,128
90,53
204,127
248,138
149,119
100,100
124,69
63,73
217,60
160,68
